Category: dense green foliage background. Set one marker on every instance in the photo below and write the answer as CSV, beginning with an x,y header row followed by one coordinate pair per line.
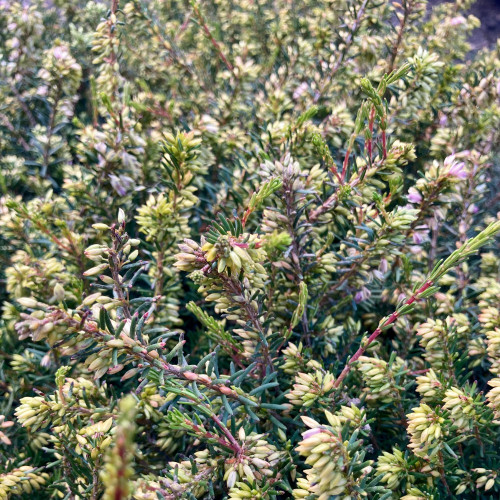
x,y
247,251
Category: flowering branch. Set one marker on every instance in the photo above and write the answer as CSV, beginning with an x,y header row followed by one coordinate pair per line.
x,y
425,290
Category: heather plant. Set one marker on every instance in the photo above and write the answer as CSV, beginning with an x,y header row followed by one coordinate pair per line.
x,y
248,251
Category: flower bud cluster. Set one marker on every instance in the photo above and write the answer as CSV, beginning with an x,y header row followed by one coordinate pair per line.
x,y
430,387
296,360
330,457
258,459
425,428
436,337
394,467
309,387
21,480
461,407
60,65
379,378
118,471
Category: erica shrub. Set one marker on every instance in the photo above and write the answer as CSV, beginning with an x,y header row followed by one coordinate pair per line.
x,y
247,251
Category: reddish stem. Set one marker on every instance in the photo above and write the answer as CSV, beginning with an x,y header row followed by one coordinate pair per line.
x,y
213,41
391,319
234,444
344,165
247,213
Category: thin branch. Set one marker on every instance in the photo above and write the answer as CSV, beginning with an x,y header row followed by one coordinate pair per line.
x,y
213,41
391,319
407,6
347,45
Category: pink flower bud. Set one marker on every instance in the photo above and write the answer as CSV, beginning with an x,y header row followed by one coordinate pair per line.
x,y
383,266
457,170
226,390
311,432
414,196
457,21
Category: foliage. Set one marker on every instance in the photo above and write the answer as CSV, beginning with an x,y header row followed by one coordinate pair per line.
x,y
247,250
